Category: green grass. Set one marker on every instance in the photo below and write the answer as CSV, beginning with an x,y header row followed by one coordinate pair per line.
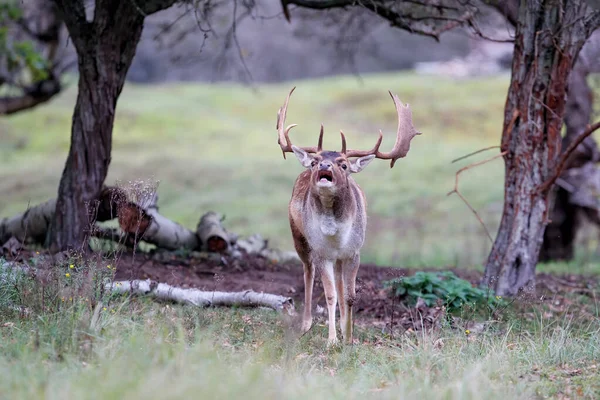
x,y
140,349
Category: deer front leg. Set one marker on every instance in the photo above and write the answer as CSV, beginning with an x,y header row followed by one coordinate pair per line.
x,y
327,276
349,272
339,288
309,279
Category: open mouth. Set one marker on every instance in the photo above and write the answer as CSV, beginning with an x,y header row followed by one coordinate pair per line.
x,y
325,176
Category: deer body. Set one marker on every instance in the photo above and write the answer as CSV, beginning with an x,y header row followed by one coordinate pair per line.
x,y
328,231
328,216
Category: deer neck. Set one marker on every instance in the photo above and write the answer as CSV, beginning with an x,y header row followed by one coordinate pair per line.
x,y
333,205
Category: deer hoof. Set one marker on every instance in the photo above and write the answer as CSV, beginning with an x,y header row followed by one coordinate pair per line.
x,y
306,325
332,342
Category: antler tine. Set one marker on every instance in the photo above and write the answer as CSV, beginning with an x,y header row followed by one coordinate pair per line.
x,y
320,145
404,134
343,142
362,153
283,138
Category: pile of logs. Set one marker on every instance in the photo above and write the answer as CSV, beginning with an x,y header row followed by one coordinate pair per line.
x,y
139,221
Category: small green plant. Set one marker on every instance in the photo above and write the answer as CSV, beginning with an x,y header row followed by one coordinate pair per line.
x,y
453,291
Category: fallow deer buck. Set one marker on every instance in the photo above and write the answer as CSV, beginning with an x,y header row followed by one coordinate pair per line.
x,y
328,214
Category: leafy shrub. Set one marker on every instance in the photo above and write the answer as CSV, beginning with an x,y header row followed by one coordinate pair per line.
x,y
445,286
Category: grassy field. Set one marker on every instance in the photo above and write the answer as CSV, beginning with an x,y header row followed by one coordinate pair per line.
x,y
214,147
136,349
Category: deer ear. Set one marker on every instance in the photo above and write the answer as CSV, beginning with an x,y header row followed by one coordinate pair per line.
x,y
360,163
304,158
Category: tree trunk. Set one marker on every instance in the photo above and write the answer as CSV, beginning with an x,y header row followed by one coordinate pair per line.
x,y
549,36
105,48
561,232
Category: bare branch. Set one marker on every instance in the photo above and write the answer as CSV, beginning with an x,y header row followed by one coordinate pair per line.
x,y
152,6
36,94
412,20
562,164
473,153
455,190
508,8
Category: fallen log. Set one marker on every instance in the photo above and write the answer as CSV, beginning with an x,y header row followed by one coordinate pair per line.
x,y
32,224
135,207
137,221
212,234
201,298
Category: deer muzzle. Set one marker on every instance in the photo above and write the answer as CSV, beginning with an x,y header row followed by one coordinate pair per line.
x,y
324,177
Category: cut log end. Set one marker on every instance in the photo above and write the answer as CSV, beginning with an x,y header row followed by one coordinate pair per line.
x,y
133,219
217,244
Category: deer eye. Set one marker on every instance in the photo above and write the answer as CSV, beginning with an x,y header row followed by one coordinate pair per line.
x,y
313,163
344,166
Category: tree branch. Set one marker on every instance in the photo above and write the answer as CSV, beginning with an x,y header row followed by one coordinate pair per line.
x,y
455,190
152,6
34,95
508,8
566,154
409,21
593,22
73,13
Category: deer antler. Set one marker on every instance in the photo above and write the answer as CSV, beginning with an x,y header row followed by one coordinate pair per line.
x,y
406,131
283,134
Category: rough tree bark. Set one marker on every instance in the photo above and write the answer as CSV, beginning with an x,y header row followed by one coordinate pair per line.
x,y
565,215
549,36
105,48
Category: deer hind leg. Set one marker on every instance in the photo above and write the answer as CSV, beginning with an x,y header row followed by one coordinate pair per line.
x,y
349,272
327,276
339,288
309,279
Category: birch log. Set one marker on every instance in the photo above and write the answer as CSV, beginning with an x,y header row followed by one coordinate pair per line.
x,y
212,234
201,298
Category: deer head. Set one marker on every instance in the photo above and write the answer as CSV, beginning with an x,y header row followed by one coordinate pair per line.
x,y
330,169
